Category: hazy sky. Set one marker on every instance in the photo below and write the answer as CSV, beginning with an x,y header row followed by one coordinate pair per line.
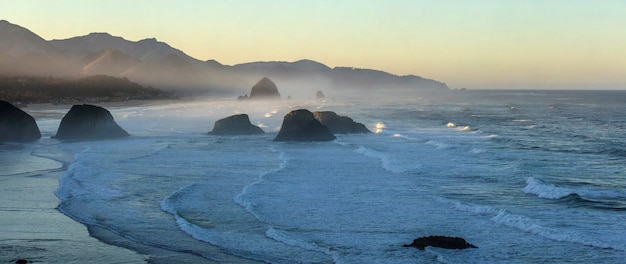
x,y
473,44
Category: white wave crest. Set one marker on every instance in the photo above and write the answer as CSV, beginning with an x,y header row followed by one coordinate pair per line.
x,y
387,162
241,198
285,238
543,190
550,191
534,227
529,225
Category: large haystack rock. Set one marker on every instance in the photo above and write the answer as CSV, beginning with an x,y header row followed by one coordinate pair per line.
x,y
16,125
264,89
300,125
89,122
340,124
235,125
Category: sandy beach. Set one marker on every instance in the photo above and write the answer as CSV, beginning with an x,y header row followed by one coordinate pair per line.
x,y
31,227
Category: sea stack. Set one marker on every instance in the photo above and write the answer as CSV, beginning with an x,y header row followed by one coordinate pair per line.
x,y
319,95
264,89
340,124
84,122
300,125
17,125
235,125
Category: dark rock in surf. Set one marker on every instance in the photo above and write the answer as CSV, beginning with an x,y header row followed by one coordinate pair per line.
x,y
89,122
235,125
440,242
264,89
340,124
17,125
301,125
319,95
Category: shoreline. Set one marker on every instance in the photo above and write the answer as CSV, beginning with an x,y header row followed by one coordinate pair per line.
x,y
33,229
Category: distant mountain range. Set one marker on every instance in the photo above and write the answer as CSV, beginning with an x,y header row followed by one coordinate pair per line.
x,y
154,63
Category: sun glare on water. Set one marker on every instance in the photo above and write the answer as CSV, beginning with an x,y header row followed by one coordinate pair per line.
x,y
379,127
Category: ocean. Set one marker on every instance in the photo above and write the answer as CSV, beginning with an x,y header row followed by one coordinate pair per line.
x,y
526,176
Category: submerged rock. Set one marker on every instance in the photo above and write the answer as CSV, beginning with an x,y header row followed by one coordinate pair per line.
x,y
440,242
89,122
264,89
301,125
235,125
340,124
16,125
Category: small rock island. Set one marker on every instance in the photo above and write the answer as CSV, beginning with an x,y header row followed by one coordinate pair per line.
x,y
16,125
340,124
235,125
85,122
440,242
301,125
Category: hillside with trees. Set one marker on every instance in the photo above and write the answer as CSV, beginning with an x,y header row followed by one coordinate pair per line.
x,y
97,88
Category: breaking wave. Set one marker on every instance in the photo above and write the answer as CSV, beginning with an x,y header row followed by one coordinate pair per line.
x,y
531,225
387,161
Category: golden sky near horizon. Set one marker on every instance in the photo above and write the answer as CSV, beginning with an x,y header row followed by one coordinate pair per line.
x,y
473,44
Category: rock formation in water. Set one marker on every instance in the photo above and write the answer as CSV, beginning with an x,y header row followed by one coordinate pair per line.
x,y
89,122
440,242
340,124
235,125
16,125
264,89
301,125
319,95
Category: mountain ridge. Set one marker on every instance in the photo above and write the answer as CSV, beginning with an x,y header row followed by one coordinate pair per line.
x,y
154,63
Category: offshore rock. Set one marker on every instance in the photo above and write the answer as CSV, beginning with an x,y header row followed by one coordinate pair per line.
x,y
301,125
264,89
319,95
89,122
340,124
17,125
235,125
440,242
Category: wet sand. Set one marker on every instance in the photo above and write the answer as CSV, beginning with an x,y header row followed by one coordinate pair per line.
x,y
32,229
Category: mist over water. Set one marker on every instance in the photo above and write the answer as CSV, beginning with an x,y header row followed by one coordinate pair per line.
x,y
525,176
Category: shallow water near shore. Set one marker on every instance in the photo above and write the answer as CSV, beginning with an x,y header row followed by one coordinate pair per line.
x,y
526,176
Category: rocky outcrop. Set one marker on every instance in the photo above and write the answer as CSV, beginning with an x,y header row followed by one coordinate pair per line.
x,y
235,125
16,125
440,242
264,89
340,124
89,122
319,95
301,125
